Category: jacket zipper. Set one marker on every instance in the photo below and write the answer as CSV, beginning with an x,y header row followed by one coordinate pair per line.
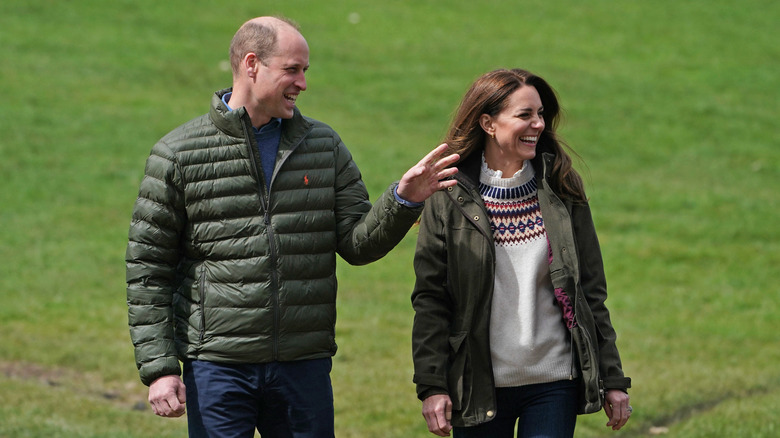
x,y
475,195
265,193
274,283
545,164
202,289
265,197
571,355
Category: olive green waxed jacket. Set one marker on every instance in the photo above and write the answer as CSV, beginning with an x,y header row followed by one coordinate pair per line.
x,y
454,265
222,268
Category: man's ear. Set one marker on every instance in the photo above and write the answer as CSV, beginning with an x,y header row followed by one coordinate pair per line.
x,y
249,64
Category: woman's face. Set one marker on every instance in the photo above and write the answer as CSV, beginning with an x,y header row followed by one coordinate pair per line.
x,y
514,132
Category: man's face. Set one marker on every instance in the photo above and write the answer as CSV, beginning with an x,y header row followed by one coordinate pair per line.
x,y
279,83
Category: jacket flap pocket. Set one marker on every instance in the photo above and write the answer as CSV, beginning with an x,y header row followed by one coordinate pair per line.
x,y
456,373
591,394
559,278
456,340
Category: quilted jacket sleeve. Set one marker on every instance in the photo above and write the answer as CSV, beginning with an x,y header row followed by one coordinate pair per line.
x,y
365,232
151,260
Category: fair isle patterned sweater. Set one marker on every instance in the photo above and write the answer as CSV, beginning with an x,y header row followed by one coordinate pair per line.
x,y
528,338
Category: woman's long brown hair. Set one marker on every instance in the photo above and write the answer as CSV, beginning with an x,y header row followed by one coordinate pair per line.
x,y
488,95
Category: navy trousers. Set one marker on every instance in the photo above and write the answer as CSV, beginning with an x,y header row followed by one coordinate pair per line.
x,y
279,399
544,410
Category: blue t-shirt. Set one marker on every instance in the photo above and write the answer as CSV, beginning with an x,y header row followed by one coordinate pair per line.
x,y
268,137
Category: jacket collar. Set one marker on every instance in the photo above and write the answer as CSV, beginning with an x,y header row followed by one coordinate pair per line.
x,y
543,163
294,130
229,122
470,167
235,122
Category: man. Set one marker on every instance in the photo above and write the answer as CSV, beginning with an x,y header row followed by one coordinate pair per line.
x,y
232,249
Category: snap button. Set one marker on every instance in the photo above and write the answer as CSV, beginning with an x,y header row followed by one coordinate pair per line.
x,y
476,218
490,413
460,199
449,189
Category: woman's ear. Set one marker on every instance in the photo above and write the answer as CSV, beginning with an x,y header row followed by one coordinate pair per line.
x,y
486,122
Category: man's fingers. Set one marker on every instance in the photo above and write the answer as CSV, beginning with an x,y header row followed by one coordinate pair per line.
x,y
176,408
447,172
178,400
432,159
435,153
167,396
444,163
181,393
448,160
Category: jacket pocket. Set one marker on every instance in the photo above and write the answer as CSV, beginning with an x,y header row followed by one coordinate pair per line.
x,y
591,394
457,368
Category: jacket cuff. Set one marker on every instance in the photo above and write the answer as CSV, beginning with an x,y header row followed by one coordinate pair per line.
x,y
429,384
422,395
403,201
622,383
163,366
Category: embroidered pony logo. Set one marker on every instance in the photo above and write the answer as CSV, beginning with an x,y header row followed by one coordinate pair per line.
x,y
306,180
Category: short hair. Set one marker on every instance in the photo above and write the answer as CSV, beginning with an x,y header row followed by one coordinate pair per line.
x,y
258,37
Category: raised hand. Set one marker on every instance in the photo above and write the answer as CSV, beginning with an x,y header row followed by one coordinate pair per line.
x,y
428,176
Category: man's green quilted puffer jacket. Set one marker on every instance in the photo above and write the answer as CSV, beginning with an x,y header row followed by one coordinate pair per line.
x,y
220,268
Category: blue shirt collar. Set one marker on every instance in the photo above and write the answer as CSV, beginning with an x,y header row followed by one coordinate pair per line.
x,y
272,124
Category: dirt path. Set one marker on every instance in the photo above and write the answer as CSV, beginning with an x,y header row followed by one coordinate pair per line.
x,y
129,395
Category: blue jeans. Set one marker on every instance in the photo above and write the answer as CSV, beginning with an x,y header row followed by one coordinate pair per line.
x,y
279,399
543,410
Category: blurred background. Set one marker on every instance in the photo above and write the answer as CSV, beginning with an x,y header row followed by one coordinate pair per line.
x,y
672,106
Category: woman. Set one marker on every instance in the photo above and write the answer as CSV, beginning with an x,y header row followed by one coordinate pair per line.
x,y
510,324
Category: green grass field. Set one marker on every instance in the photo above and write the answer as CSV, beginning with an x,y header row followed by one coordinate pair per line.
x,y
672,105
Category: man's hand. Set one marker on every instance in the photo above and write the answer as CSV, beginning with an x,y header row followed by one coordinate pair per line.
x,y
617,408
167,396
437,410
425,177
